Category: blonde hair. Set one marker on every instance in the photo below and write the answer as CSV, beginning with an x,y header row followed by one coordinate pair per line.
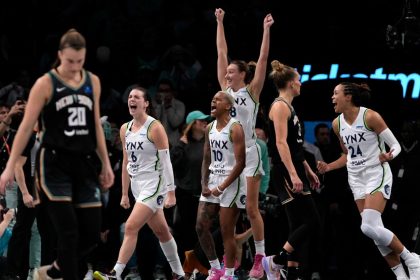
x,y
281,74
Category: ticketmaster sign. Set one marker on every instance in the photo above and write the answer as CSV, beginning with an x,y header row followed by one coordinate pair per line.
x,y
378,74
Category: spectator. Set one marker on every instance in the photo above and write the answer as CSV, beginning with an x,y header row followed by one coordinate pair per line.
x,y
262,143
187,156
406,180
169,110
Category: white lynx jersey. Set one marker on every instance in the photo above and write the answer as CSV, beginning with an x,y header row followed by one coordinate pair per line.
x,y
362,143
245,110
141,152
221,148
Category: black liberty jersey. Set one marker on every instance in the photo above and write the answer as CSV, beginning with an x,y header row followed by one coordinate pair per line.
x,y
67,120
294,137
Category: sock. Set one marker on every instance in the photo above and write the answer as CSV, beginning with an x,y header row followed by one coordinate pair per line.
x,y
119,268
229,271
281,258
215,264
170,250
399,271
405,254
260,247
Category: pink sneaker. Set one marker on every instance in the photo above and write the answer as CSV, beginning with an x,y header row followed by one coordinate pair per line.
x,y
257,270
215,274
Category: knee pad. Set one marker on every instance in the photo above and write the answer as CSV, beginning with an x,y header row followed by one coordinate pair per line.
x,y
373,228
384,250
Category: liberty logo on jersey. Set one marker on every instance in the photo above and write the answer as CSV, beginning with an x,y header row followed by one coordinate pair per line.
x,y
88,90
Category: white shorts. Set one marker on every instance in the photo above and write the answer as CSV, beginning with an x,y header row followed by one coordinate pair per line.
x,y
253,165
149,189
235,194
370,180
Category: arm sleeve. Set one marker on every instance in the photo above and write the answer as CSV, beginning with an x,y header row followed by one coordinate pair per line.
x,y
168,172
388,137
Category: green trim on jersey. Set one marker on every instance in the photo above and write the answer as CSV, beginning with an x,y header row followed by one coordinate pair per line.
x,y
259,162
364,120
382,181
158,160
156,192
209,127
238,188
339,124
250,95
379,143
230,130
148,131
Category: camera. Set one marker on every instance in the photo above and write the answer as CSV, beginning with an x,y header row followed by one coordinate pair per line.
x,y
20,101
269,204
5,210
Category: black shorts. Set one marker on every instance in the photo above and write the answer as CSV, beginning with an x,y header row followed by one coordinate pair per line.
x,y
65,176
283,184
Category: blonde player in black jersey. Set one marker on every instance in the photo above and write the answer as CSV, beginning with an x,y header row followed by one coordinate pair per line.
x,y
245,87
362,133
291,175
66,100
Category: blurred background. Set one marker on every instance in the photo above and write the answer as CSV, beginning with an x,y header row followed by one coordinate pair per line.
x,y
143,41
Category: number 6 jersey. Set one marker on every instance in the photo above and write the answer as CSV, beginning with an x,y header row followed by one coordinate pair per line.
x,y
142,154
363,144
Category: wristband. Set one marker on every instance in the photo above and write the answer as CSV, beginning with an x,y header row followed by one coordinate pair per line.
x,y
219,190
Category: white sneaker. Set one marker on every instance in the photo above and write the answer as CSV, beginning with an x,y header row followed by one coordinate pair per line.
x,y
272,270
413,265
89,275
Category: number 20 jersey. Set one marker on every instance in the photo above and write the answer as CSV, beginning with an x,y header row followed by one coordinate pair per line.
x,y
67,120
362,143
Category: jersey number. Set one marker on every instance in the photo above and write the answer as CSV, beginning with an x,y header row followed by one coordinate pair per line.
x,y
217,155
77,116
232,112
133,157
355,151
